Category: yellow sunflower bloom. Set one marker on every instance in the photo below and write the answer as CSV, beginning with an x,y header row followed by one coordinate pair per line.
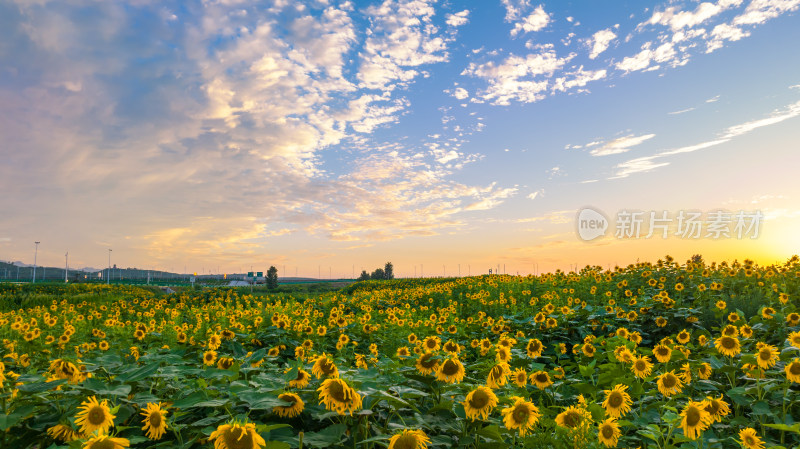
x,y
155,422
409,439
451,371
522,415
289,411
749,439
101,440
695,419
94,416
727,345
339,397
479,403
618,402
608,432
237,436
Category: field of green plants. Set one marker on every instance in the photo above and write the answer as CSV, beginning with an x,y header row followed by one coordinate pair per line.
x,y
665,355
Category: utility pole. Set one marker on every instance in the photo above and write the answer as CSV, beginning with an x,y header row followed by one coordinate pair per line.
x,y
36,253
108,278
66,268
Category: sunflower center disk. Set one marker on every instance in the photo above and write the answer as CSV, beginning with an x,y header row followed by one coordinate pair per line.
x,y
96,416
692,417
479,400
615,400
235,440
406,442
155,419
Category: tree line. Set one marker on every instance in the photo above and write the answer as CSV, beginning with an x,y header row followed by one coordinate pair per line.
x,y
385,273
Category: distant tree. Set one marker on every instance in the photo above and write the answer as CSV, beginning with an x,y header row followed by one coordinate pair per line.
x,y
388,271
272,278
364,276
378,274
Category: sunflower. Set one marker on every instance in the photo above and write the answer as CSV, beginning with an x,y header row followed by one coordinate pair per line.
x,y
412,338
794,339
608,432
641,366
522,415
792,371
618,402
103,345
767,313
662,352
427,363
403,351
730,331
225,362
302,379
498,375
432,343
721,305
63,433
409,439
519,377
324,367
101,440
704,372
717,408
214,341
750,440
479,403
767,356
534,348
588,350
339,397
502,354
290,411
209,357
695,419
450,371
94,415
683,337
541,379
574,417
727,345
155,422
451,347
702,340
669,384
237,436
661,321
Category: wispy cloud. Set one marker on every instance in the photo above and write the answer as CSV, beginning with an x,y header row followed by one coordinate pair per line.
x,y
621,145
648,163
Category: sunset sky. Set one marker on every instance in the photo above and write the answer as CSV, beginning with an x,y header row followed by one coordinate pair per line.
x,y
220,135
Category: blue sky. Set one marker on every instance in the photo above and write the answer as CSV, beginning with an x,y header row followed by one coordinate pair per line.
x,y
230,133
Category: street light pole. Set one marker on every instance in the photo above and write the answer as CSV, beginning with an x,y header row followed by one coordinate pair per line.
x,y
66,268
108,278
35,253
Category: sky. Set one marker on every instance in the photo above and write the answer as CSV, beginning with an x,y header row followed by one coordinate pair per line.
x,y
326,137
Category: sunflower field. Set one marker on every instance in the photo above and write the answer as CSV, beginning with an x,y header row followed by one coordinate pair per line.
x,y
663,355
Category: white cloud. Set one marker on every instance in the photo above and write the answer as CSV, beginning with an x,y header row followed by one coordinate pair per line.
x,y
713,99
600,41
722,33
534,195
639,62
458,19
577,78
517,78
621,145
678,20
759,11
645,164
535,21
681,111
461,93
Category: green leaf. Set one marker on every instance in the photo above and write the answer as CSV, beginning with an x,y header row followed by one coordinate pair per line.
x,y
276,445
38,387
491,432
138,373
326,437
